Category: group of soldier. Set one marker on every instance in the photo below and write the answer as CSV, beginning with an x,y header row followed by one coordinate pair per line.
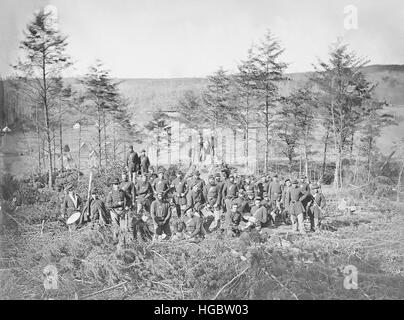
x,y
187,207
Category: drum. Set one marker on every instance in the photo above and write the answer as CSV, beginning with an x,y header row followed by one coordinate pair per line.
x,y
73,218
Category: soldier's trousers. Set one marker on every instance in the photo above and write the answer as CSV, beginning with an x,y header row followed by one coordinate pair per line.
x,y
315,216
296,214
228,202
119,221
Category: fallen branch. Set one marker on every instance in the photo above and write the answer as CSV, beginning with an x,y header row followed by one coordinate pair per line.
x,y
228,283
104,290
282,285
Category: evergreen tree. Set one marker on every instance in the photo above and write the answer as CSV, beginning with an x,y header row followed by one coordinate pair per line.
x,y
39,69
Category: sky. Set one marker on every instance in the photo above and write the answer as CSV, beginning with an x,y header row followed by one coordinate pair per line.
x,y
193,38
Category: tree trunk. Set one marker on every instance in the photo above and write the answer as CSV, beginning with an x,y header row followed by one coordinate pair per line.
x,y
78,176
306,153
399,182
234,146
325,153
61,137
105,138
99,140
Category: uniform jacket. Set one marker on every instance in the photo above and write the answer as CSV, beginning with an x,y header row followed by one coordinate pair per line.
x,y
160,209
275,190
143,189
230,190
133,161
129,188
71,204
212,194
115,196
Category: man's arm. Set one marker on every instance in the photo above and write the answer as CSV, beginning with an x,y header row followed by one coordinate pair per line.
x,y
168,216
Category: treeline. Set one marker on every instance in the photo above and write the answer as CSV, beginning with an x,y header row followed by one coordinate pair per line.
x,y
336,101
38,80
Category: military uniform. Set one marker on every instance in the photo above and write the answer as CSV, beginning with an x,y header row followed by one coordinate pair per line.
x,y
315,210
294,197
260,214
132,162
193,226
179,198
144,194
144,164
71,204
161,186
116,201
129,188
160,212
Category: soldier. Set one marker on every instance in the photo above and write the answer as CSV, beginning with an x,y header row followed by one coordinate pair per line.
x,y
285,213
196,180
161,185
161,214
305,188
71,203
180,189
220,185
250,200
230,191
275,191
195,199
316,208
129,188
144,162
234,219
294,197
260,214
144,192
117,202
242,203
259,187
248,185
132,162
97,210
193,226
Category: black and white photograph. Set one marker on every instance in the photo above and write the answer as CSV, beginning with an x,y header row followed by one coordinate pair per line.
x,y
179,151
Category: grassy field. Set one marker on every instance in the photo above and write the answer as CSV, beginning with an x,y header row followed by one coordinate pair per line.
x,y
280,265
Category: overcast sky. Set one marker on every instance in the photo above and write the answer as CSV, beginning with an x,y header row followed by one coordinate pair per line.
x,y
192,38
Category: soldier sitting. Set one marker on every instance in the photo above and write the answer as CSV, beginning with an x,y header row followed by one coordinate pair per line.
x,y
193,226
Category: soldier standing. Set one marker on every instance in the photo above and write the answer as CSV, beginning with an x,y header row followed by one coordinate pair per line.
x,y
161,185
117,203
316,208
144,162
129,188
97,210
144,192
132,162
230,191
180,186
161,214
275,191
294,197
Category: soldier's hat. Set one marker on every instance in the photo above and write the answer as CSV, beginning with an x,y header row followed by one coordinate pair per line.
x,y
295,181
303,177
287,180
250,192
160,193
116,181
275,175
211,176
315,186
161,170
241,192
258,198
217,175
69,187
143,150
131,147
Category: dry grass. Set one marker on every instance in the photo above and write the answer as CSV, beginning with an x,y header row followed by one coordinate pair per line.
x,y
285,266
